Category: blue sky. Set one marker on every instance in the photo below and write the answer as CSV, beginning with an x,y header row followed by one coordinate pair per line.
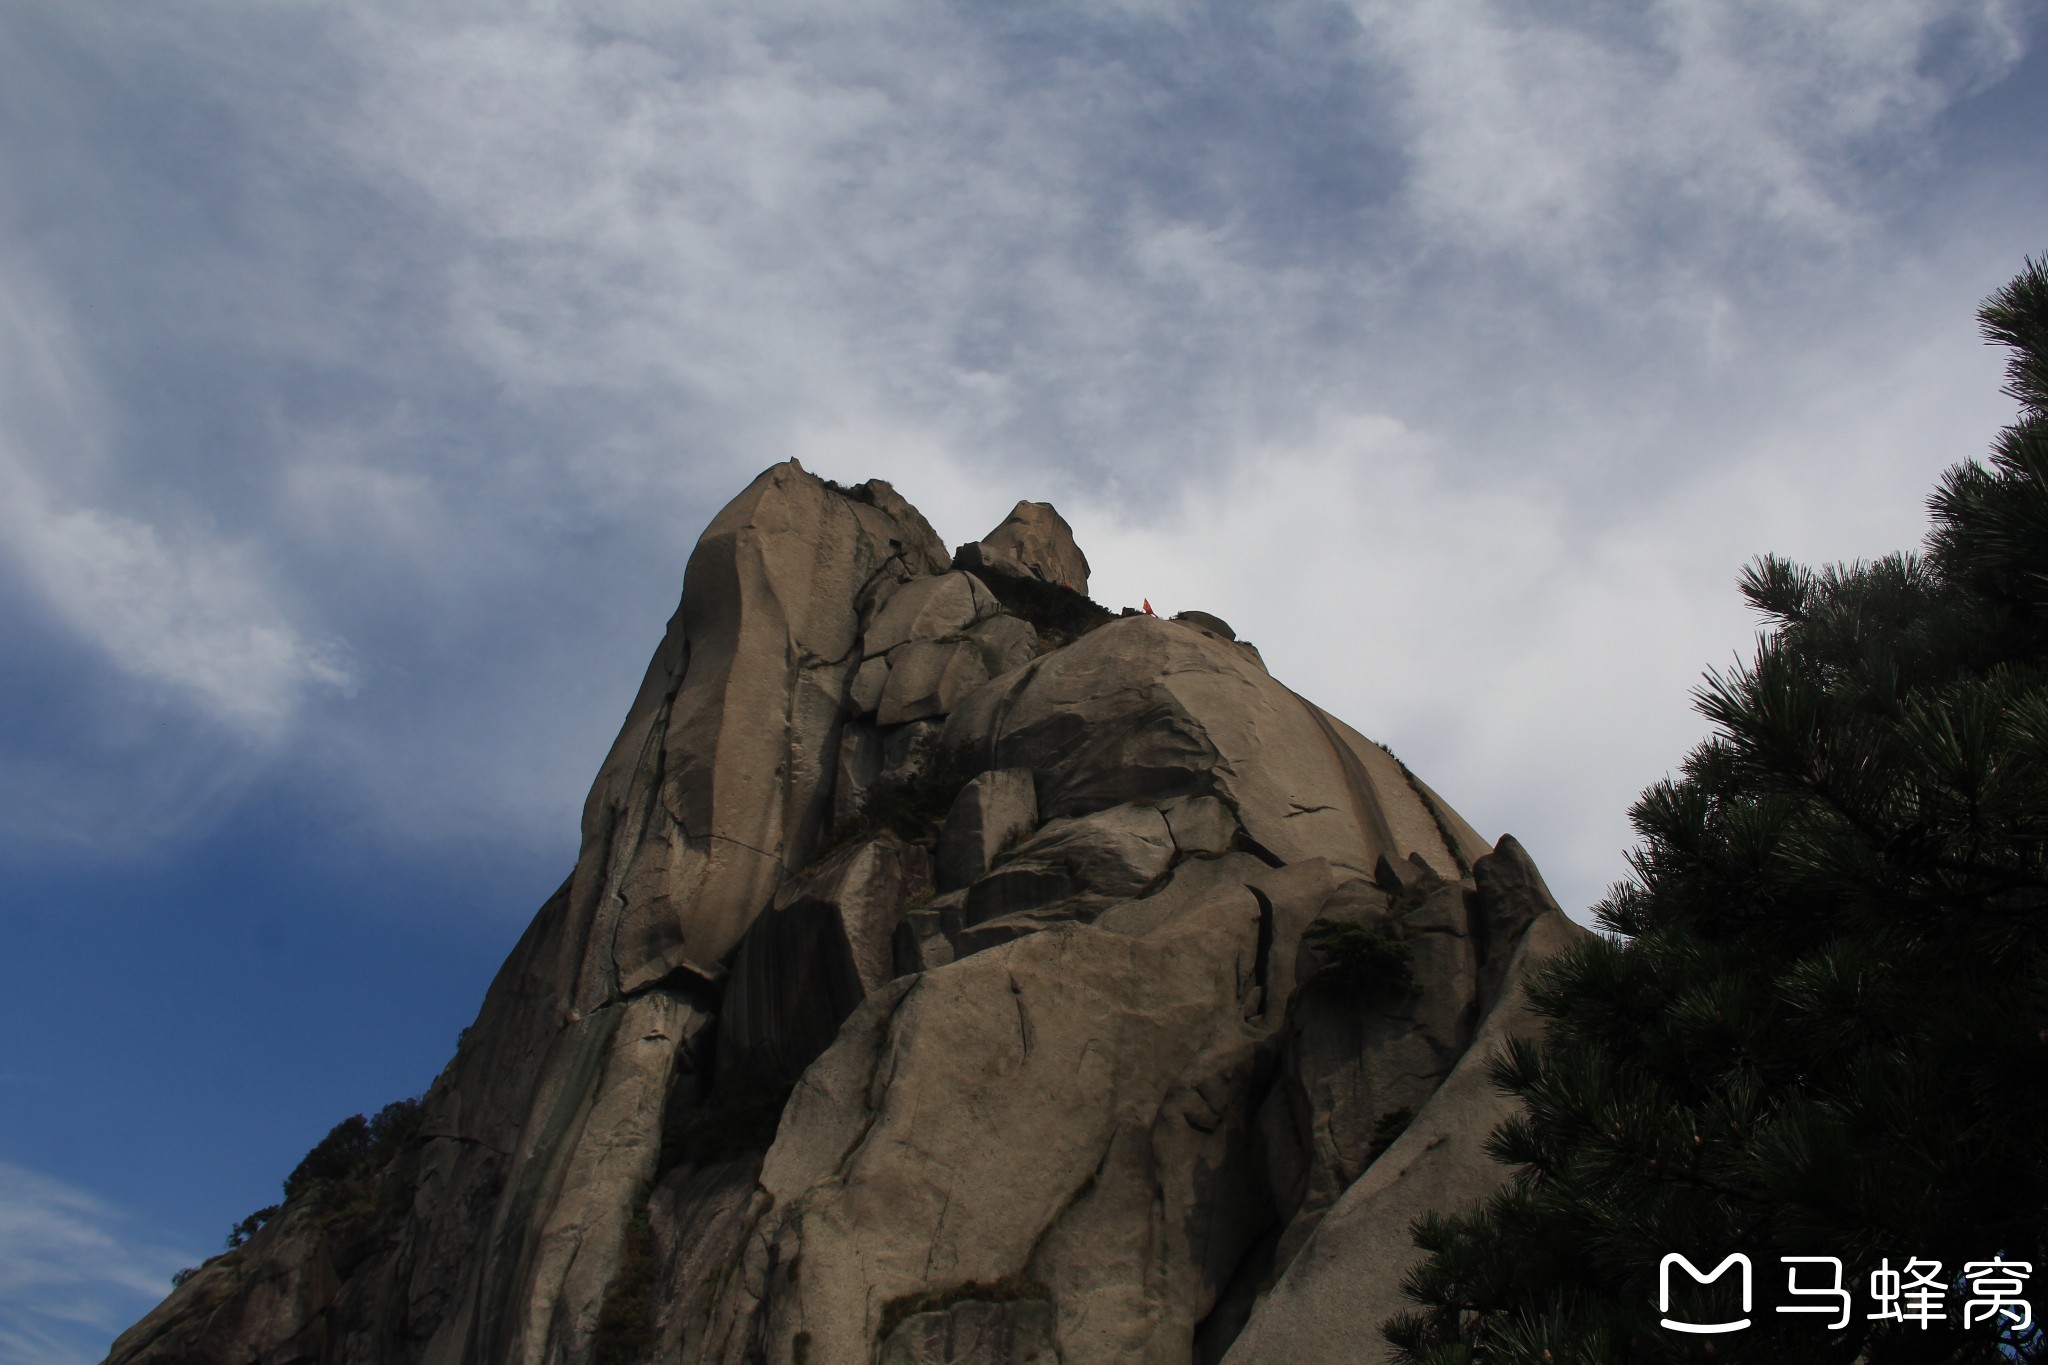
x,y
367,371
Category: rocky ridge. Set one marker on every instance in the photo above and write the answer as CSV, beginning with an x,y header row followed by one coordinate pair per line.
x,y
949,973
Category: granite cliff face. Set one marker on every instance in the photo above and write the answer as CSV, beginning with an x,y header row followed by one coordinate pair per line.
x,y
949,973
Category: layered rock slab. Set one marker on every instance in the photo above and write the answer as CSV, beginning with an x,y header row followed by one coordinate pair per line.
x,y
1144,709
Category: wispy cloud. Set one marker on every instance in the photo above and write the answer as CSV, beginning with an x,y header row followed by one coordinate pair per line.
x,y
1689,128
482,313
191,622
73,1271
163,597
1529,653
172,609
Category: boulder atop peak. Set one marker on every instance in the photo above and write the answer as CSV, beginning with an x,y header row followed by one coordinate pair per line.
x,y
1034,541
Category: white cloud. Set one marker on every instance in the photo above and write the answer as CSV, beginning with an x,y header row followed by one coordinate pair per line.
x,y
1529,653
180,611
1699,126
565,278
73,1271
171,605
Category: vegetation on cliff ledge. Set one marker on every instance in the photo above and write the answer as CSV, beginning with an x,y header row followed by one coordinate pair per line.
x,y
1058,613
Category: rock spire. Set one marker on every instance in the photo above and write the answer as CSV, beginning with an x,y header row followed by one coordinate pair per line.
x,y
950,972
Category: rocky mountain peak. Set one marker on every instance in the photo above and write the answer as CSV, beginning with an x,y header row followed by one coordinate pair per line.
x,y
1034,541
951,971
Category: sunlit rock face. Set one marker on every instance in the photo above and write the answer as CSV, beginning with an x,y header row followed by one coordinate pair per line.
x,y
934,987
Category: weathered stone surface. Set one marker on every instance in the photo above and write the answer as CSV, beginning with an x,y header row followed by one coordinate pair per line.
x,y
1347,1279
600,1170
991,813
1115,852
697,1218
922,550
1148,709
271,1296
1214,624
1017,886
1354,1064
1083,1108
867,888
1017,1330
1191,882
909,751
869,680
1510,897
1005,642
1074,1163
1080,862
718,786
748,730
924,938
1410,874
861,754
1356,1059
1200,824
928,678
976,935
1034,541
929,609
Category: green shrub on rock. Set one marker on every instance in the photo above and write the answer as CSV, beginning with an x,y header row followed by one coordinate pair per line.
x,y
1059,615
1373,961
356,1147
241,1232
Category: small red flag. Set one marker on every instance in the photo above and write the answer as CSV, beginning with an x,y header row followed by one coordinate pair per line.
x,y
1148,607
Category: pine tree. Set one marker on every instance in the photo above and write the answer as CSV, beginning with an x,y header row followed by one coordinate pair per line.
x,y
1817,1022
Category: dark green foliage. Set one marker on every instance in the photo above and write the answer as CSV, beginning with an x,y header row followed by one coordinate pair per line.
x,y
1436,813
1374,961
915,809
912,811
1059,615
625,1322
1411,897
247,1228
1819,1021
859,492
356,1148
341,1170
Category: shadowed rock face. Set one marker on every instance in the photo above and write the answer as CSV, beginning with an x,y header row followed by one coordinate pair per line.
x,y
921,996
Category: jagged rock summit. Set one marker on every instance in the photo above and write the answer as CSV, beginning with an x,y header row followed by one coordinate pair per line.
x,y
1034,541
951,972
